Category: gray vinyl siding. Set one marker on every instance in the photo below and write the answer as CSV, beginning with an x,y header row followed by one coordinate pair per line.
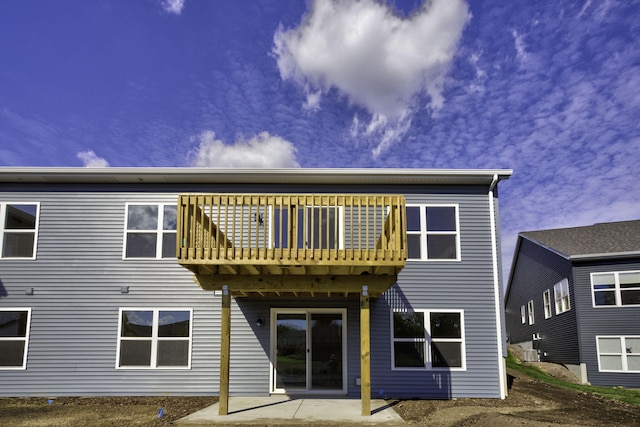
x,y
538,269
76,276
613,321
79,270
445,285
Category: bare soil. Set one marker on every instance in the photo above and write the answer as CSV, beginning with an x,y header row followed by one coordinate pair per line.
x,y
530,403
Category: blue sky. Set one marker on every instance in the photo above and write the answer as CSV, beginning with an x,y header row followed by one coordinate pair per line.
x,y
550,89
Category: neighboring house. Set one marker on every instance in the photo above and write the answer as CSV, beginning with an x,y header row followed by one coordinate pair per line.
x,y
349,282
573,298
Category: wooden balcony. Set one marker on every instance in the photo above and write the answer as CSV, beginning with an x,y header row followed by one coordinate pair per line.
x,y
300,244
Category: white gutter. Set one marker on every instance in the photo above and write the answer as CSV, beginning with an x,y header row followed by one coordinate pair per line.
x,y
496,288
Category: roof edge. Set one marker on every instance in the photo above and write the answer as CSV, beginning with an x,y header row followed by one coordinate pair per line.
x,y
185,174
542,245
606,255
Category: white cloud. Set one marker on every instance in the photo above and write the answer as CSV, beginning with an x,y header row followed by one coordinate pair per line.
x,y
91,160
313,101
518,40
377,59
173,6
260,151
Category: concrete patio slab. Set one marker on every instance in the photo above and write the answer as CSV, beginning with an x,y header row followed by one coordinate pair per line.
x,y
248,410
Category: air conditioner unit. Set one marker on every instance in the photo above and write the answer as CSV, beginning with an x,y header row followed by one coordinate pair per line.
x,y
531,356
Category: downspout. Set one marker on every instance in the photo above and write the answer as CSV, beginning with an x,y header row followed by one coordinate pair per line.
x,y
496,287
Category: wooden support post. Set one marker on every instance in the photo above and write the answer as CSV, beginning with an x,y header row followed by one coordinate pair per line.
x,y
225,348
365,353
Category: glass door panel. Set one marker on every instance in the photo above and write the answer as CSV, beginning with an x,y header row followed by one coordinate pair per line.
x,y
291,351
326,351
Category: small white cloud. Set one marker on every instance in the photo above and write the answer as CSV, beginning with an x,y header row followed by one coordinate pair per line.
x,y
91,160
173,6
260,151
377,59
313,101
518,40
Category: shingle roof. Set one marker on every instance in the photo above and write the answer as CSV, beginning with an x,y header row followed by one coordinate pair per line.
x,y
597,239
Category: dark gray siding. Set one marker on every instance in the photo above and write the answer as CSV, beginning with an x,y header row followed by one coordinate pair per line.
x,y
614,321
79,271
538,269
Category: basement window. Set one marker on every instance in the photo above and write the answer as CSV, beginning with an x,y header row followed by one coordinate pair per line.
x,y
428,340
14,337
154,338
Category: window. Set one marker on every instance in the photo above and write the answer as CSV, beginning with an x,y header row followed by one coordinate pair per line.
x,y
619,354
546,300
150,231
14,337
428,339
616,289
523,314
531,317
154,338
432,233
561,296
19,229
312,227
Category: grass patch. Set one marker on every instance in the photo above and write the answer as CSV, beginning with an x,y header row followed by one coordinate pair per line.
x,y
621,394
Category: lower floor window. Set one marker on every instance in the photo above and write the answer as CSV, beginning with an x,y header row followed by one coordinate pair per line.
x,y
619,353
14,337
154,338
428,339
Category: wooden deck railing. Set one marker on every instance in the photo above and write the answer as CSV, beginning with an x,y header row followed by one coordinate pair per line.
x,y
257,231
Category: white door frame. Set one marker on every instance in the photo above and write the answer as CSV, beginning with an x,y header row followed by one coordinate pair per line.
x,y
273,344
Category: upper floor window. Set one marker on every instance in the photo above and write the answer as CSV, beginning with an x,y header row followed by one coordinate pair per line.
x,y
619,353
523,314
546,301
561,296
428,339
154,338
433,232
19,229
532,318
616,288
150,231
14,337
308,227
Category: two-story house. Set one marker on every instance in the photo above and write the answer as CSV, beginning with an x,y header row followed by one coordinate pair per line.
x,y
573,298
181,281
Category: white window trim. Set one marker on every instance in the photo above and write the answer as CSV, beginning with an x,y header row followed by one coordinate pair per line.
x,y
160,231
3,218
546,302
531,316
428,340
558,296
424,256
616,290
622,338
154,338
25,338
523,314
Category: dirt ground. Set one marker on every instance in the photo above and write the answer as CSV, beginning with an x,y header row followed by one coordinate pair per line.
x,y
530,403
